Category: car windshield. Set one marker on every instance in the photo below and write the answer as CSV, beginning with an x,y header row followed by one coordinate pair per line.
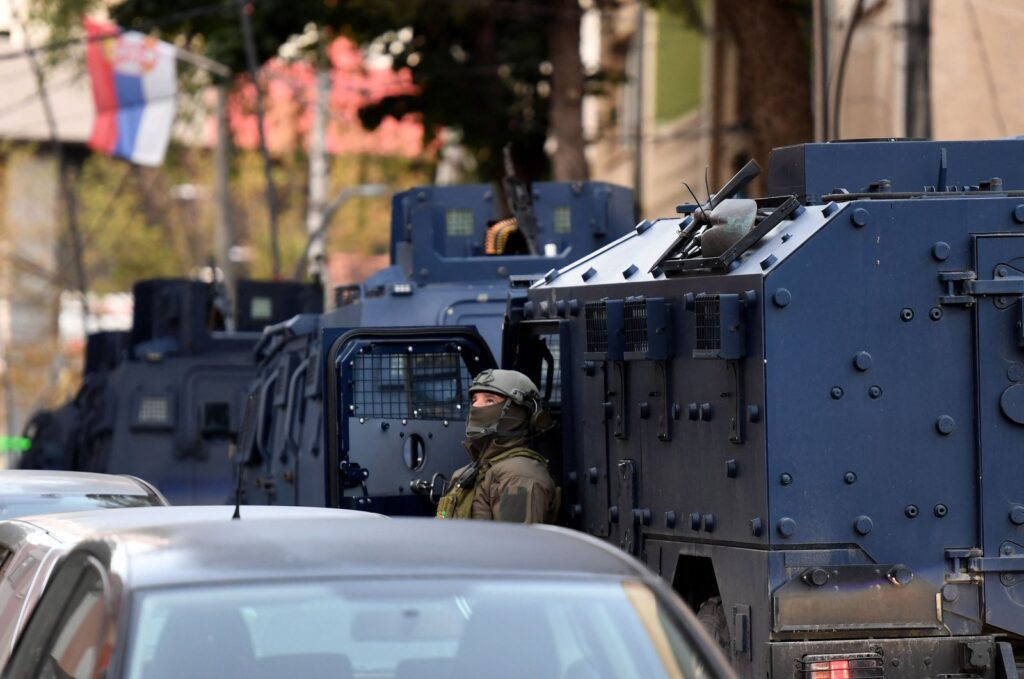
x,y
399,629
12,507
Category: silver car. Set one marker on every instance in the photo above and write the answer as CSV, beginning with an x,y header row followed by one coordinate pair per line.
x,y
30,547
344,599
26,491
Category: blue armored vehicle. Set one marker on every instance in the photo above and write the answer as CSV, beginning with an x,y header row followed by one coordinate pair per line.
x,y
806,411
364,405
51,433
164,401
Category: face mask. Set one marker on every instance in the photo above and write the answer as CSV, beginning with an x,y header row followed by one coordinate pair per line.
x,y
483,420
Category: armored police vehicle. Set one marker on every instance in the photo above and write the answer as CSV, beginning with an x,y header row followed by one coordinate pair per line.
x,y
164,401
50,433
806,411
365,405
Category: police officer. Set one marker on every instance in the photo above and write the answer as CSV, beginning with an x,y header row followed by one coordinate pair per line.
x,y
505,480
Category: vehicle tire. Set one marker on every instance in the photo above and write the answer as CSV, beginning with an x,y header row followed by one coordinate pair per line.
x,y
711,615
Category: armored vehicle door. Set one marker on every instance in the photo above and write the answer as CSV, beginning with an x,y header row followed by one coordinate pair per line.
x,y
996,293
395,406
542,351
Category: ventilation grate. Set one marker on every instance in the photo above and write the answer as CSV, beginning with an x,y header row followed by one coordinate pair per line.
x,y
636,326
596,318
707,330
416,386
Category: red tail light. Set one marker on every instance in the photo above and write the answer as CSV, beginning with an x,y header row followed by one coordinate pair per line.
x,y
831,669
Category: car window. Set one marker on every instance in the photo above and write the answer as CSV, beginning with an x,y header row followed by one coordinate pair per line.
x,y
397,629
68,636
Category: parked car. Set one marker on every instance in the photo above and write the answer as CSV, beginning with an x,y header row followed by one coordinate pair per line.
x,y
29,491
31,546
324,597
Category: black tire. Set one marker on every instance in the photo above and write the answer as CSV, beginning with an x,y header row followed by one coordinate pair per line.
x,y
711,615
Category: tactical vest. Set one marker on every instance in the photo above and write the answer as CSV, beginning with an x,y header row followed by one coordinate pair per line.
x,y
457,503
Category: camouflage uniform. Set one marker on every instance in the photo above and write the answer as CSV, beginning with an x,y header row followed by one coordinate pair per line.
x,y
506,481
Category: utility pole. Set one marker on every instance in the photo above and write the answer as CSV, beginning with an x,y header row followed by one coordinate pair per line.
x,y
244,9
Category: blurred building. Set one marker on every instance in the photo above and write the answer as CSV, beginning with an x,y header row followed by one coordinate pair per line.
x,y
913,68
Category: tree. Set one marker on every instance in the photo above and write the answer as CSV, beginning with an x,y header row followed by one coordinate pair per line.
x,y
500,71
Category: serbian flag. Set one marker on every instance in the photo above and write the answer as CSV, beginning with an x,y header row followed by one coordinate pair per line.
x,y
135,87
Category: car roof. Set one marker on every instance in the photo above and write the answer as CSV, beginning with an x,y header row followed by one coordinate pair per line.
x,y
35,482
256,548
74,526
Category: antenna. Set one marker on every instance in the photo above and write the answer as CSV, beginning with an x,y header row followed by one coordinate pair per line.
x,y
707,186
238,483
697,201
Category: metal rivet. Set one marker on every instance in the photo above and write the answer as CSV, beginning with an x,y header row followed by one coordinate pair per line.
x,y
837,393
1018,214
950,593
863,524
906,314
695,520
1017,515
911,511
900,575
940,510
862,361
786,527
767,262
849,478
1006,550
756,527
670,519
753,413
613,514
945,425
935,313
875,391
731,469
860,217
782,297
816,577
940,251
786,479
709,523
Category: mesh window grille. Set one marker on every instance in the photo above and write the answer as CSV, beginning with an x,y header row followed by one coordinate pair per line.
x,y
635,313
563,219
596,318
459,222
416,386
707,324
154,410
551,339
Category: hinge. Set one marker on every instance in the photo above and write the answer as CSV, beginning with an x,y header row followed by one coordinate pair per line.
x,y
960,568
963,287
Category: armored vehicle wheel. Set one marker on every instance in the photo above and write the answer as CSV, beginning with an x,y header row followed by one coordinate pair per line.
x,y
711,615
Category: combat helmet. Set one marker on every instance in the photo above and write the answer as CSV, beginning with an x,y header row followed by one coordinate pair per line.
x,y
520,391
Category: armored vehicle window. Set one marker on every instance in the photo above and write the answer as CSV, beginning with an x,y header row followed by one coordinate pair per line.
x,y
563,219
153,411
261,308
216,420
426,386
459,222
